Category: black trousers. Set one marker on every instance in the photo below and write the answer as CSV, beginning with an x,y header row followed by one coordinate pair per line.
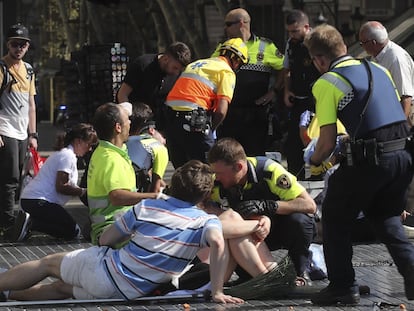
x,y
378,191
183,145
294,145
11,161
50,218
294,232
249,126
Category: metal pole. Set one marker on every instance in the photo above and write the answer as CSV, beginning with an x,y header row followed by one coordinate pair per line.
x,y
1,29
52,102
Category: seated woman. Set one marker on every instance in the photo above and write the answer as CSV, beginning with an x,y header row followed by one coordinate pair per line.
x,y
43,198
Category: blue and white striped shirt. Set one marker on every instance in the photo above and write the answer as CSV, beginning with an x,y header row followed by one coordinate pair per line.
x,y
166,236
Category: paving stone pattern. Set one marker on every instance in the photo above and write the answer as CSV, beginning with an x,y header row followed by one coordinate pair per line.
x,y
374,267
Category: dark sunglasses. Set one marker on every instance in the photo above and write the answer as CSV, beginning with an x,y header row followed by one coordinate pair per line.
x,y
228,24
18,44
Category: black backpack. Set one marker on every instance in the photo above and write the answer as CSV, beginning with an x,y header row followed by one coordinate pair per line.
x,y
8,77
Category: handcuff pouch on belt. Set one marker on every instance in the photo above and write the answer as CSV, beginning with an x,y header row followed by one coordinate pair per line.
x,y
368,151
409,146
198,120
362,152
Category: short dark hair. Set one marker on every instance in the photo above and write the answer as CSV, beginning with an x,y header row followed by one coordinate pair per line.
x,y
180,51
192,182
142,116
83,131
227,150
297,16
325,40
105,119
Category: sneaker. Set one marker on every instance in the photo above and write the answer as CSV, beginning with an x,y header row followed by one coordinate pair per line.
x,y
3,295
409,283
21,226
332,296
78,232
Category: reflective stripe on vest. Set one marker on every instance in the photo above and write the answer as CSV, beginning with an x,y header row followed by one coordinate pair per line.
x,y
203,80
259,66
97,219
98,203
262,46
181,105
383,108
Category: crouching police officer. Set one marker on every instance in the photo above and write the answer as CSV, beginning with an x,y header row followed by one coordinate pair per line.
x,y
199,100
254,186
373,176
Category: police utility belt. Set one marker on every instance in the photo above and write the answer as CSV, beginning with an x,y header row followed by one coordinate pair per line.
x,y
368,152
196,120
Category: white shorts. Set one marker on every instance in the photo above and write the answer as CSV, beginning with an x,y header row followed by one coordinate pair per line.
x,y
84,270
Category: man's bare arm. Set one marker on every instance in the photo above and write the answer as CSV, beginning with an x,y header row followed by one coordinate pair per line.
x,y
122,197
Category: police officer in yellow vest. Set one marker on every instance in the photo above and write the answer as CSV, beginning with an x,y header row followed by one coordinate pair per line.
x,y
247,119
373,176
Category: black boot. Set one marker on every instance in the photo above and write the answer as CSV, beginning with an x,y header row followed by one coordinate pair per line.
x,y
331,295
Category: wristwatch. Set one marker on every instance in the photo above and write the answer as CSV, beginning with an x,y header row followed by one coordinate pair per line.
x,y
34,135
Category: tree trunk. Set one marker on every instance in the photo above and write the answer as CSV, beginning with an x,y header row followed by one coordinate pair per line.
x,y
93,13
70,36
82,36
136,29
170,18
159,21
222,7
193,35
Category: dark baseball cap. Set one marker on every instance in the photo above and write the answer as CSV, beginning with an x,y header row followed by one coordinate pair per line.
x,y
18,31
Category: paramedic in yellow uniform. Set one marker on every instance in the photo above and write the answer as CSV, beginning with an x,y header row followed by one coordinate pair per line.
x,y
199,100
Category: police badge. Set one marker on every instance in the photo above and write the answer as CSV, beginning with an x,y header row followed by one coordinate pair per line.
x,y
283,182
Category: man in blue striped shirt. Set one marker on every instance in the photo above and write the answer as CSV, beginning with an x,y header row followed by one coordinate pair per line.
x,y
165,236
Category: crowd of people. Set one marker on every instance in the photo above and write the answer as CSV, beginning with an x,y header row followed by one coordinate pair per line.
x,y
227,204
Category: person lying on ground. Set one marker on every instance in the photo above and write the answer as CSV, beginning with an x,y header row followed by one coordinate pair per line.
x,y
165,235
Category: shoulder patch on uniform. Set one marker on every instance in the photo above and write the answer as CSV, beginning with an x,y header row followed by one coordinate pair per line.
x,y
283,182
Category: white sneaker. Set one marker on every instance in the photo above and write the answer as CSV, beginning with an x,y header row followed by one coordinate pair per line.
x,y
5,294
409,231
78,232
21,226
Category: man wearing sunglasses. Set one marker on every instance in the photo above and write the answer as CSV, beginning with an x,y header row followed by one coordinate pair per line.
x,y
17,121
248,118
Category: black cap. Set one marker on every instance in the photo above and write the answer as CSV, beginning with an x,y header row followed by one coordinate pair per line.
x,y
18,31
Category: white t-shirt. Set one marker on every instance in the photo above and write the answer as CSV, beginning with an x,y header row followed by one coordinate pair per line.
x,y
43,186
401,66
